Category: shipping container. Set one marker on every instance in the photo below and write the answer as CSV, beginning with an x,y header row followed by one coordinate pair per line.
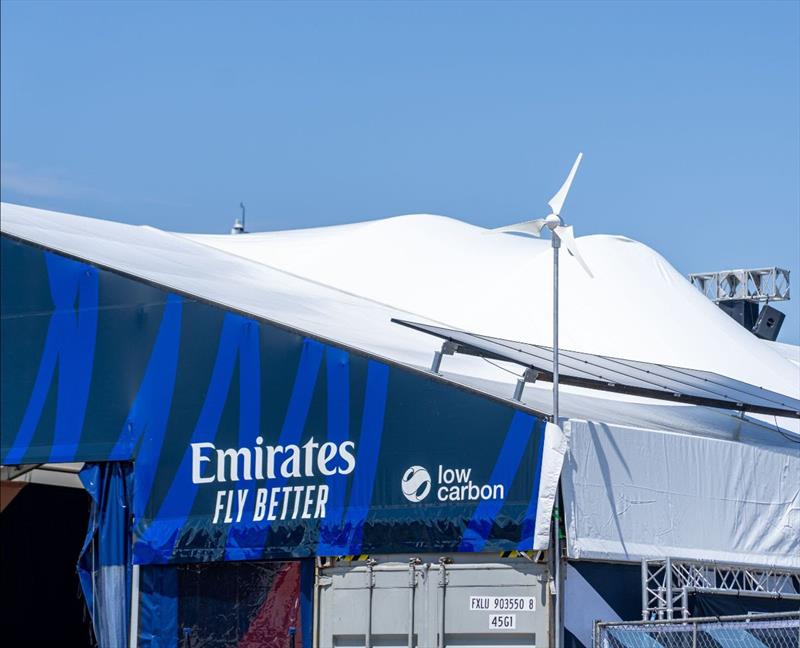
x,y
431,601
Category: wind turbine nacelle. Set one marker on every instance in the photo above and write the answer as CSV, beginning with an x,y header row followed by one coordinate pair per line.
x,y
552,221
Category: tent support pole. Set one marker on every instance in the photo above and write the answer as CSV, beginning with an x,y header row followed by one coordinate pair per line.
x,y
134,619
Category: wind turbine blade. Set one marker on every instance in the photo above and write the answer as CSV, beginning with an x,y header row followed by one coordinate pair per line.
x,y
533,227
557,202
568,239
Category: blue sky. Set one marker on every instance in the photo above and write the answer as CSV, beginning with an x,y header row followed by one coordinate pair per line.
x,y
688,115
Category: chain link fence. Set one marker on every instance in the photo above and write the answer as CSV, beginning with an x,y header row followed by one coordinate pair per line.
x,y
779,630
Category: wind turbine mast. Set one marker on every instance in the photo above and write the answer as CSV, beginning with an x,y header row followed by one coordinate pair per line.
x,y
558,233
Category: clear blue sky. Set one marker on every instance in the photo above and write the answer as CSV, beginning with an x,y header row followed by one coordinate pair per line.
x,y
319,113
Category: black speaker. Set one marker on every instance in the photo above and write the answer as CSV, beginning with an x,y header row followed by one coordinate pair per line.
x,y
769,323
744,312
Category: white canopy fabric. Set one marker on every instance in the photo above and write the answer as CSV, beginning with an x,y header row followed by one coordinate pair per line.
x,y
631,493
482,281
345,283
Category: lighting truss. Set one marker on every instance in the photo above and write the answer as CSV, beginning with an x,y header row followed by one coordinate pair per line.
x,y
754,285
667,584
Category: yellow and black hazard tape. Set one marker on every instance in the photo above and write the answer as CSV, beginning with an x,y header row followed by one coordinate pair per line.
x,y
514,554
354,557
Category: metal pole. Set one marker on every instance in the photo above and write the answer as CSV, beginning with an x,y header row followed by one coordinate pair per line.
x,y
519,389
133,639
437,362
371,584
558,578
315,610
670,603
412,584
685,603
557,643
443,587
556,242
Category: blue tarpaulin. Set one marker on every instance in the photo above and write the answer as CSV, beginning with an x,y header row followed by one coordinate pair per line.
x,y
158,607
104,565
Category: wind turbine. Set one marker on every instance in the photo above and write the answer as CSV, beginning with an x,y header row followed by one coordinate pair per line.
x,y
560,233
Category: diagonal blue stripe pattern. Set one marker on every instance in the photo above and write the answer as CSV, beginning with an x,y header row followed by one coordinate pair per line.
x,y
529,521
249,418
159,539
70,344
505,469
252,546
369,444
338,374
149,413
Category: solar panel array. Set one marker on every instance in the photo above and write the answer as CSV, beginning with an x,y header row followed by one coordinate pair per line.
x,y
623,376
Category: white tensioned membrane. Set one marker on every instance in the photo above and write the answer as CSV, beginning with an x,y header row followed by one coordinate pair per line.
x,y
627,489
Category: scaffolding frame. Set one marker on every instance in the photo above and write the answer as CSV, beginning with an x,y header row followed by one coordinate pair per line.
x,y
667,584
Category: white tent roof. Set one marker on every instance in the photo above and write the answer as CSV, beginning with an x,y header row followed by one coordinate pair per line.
x,y
637,306
345,283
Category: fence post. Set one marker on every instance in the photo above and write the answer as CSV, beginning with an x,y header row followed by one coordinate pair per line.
x,y
694,634
668,577
685,602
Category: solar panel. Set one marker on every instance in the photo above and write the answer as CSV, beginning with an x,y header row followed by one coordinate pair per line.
x,y
623,376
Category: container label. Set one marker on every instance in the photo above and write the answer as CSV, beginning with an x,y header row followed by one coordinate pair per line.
x,y
502,603
502,622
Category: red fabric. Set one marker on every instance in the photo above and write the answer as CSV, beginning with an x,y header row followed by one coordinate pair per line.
x,y
280,611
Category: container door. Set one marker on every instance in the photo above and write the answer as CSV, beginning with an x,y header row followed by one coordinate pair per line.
x,y
491,605
433,604
373,606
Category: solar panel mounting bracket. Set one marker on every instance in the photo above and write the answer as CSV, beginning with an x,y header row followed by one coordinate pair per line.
x,y
529,376
448,348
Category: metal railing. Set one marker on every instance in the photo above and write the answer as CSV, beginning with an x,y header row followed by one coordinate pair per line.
x,y
776,630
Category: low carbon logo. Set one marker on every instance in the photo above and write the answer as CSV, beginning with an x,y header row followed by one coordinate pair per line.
x,y
416,484
451,485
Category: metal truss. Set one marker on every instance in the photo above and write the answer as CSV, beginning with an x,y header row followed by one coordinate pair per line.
x,y
667,584
754,285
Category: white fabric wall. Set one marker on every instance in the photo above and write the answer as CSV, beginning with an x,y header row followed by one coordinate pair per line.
x,y
632,493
